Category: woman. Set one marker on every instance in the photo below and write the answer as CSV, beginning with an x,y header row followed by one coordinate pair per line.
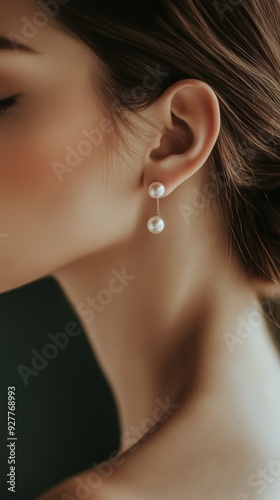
x,y
140,168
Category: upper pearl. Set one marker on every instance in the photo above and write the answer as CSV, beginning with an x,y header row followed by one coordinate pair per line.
x,y
156,189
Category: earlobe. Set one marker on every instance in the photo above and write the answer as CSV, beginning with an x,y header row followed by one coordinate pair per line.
x,y
190,117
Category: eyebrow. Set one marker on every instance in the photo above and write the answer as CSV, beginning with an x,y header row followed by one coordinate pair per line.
x,y
7,44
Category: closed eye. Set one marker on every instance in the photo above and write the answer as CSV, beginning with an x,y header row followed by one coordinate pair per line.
x,y
7,104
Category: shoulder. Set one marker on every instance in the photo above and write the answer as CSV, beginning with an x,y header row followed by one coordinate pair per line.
x,y
214,478
226,480
90,484
213,457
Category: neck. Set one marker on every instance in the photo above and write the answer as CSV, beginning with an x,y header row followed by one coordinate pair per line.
x,y
165,331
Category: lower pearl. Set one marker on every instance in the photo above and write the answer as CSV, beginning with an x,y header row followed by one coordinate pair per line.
x,y
155,224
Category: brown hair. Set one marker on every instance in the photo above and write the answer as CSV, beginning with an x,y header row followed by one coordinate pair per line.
x,y
234,47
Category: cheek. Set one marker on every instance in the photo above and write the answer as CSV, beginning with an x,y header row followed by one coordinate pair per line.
x,y
40,162
25,171
47,221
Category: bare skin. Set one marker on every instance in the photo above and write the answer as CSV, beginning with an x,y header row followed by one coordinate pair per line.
x,y
168,326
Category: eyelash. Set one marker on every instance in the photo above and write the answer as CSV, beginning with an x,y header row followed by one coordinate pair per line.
x,y
8,103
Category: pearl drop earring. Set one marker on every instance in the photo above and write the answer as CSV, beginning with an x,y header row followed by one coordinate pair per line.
x,y
156,224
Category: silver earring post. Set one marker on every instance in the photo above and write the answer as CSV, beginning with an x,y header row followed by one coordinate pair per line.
x,y
156,224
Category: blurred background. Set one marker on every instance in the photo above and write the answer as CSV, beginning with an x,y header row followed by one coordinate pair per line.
x,y
66,417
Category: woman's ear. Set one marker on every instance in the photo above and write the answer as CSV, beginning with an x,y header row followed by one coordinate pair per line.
x,y
187,119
